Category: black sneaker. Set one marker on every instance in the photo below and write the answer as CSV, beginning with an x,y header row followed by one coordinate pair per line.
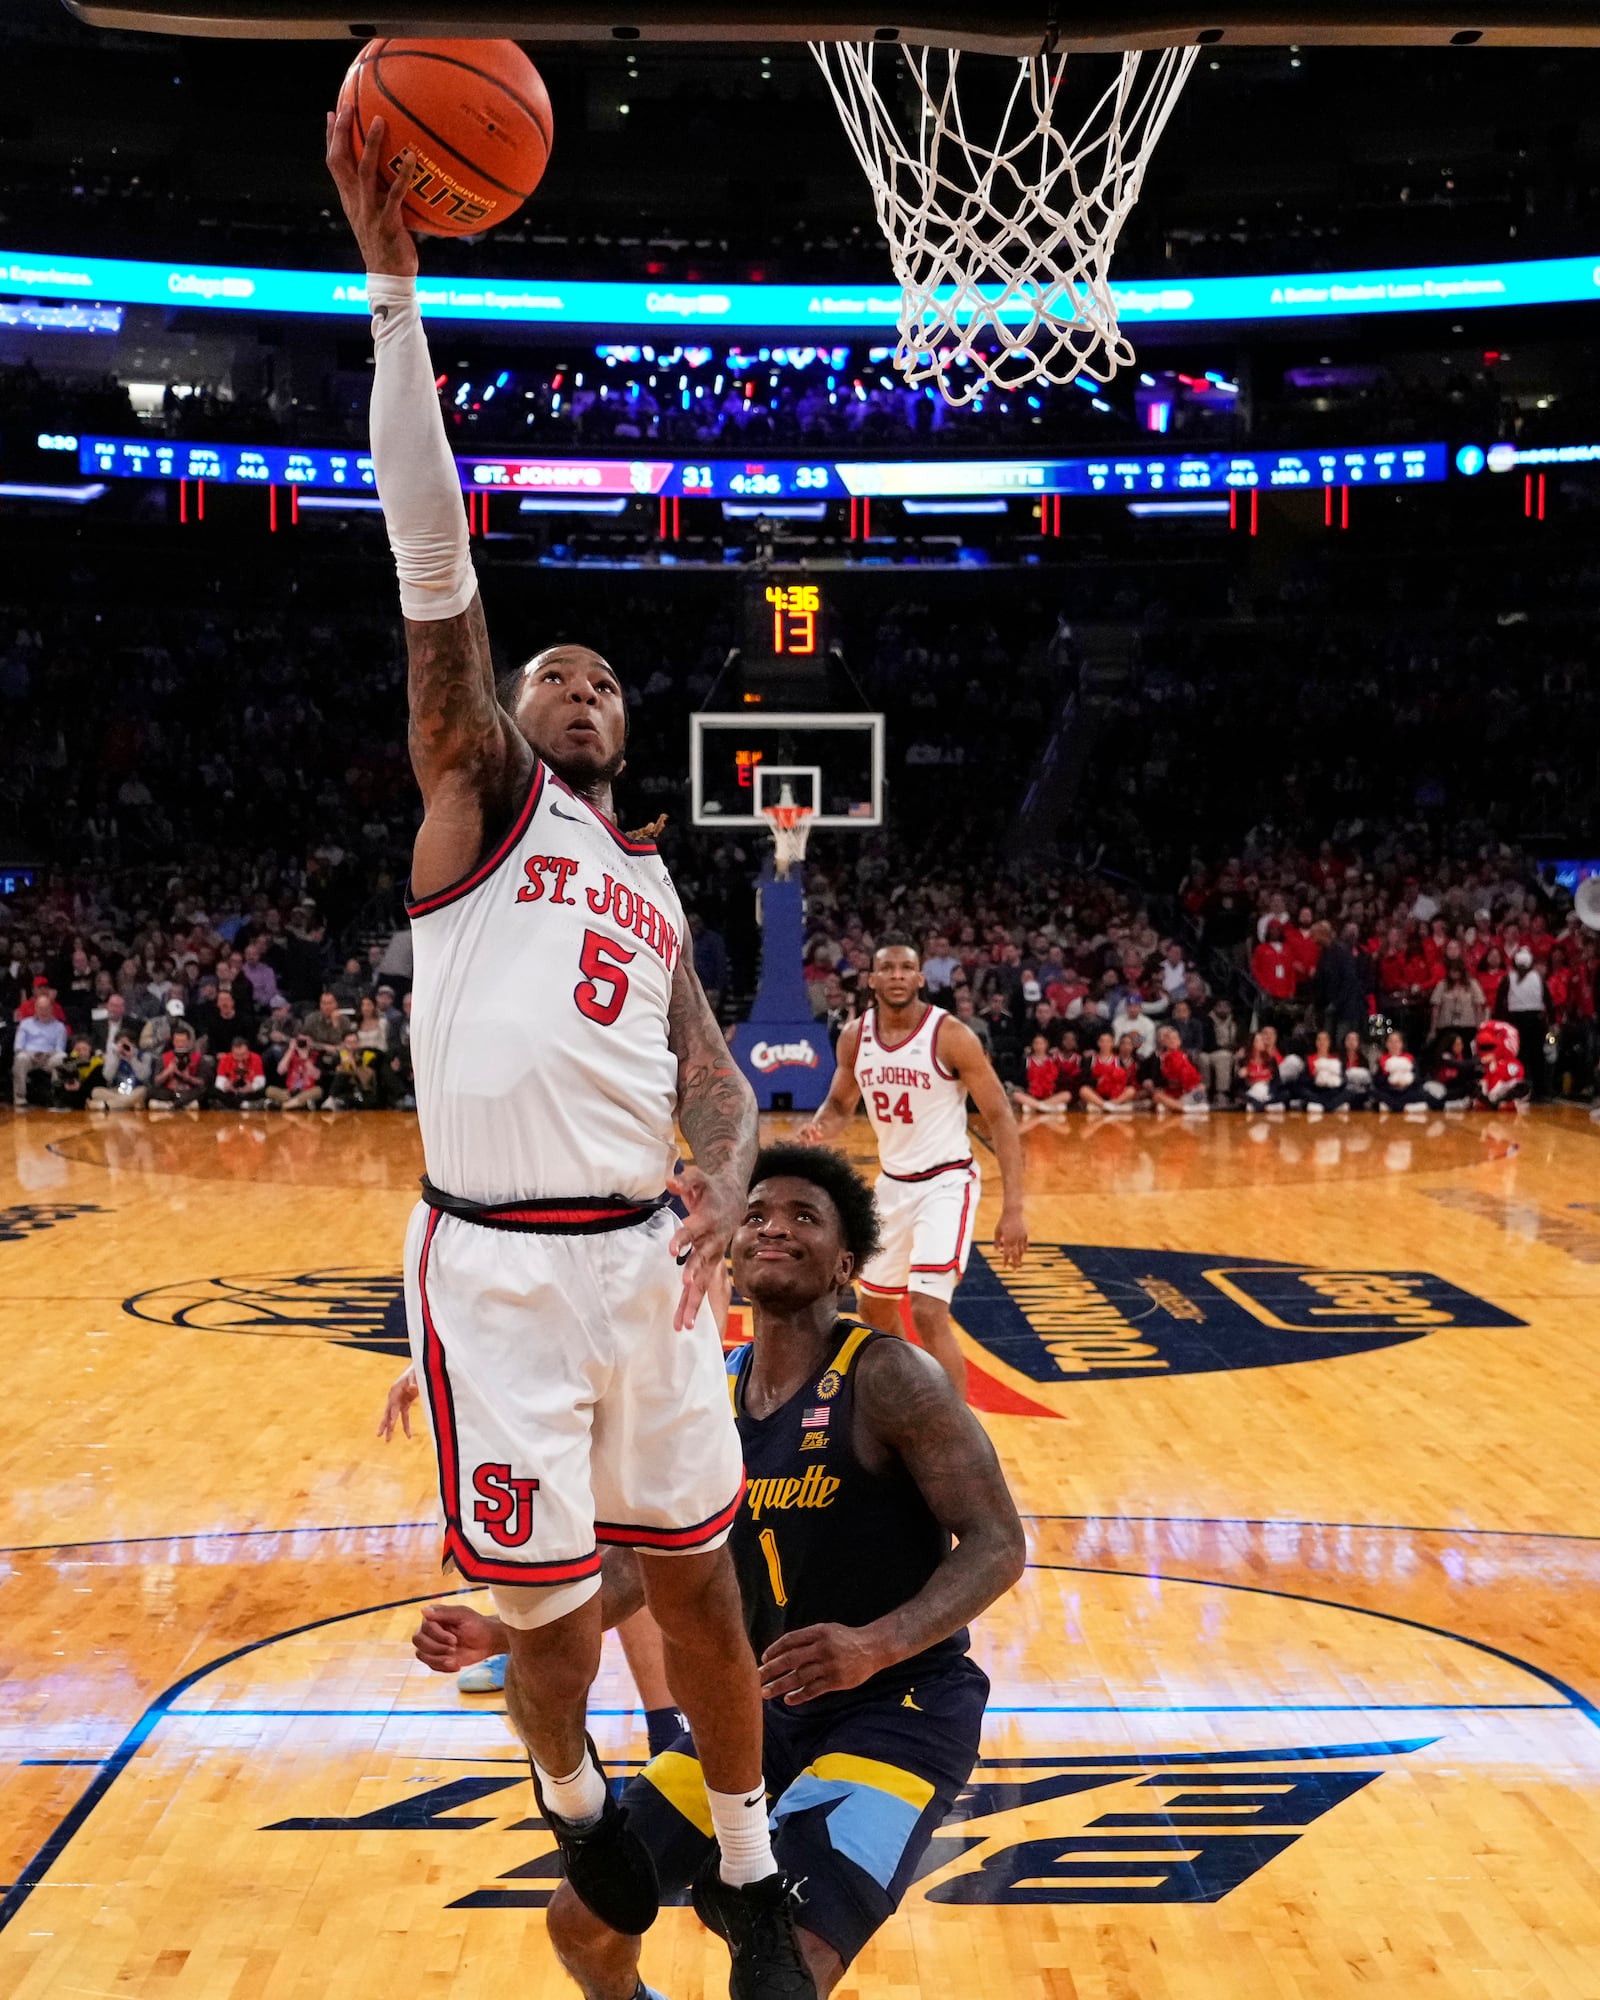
x,y
608,1865
756,1923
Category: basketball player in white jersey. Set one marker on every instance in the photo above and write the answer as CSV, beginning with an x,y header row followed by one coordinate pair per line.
x,y
571,1367
914,1067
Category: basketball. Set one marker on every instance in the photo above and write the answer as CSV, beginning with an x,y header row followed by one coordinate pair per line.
x,y
477,116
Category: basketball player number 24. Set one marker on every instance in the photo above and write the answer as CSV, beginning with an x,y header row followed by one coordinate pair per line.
x,y
902,1110
604,986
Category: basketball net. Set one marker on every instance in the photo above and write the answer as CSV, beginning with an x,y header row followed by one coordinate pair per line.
x,y
791,828
1002,246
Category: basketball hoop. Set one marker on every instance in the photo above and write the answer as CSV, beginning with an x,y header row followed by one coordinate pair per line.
x,y
791,828
1002,247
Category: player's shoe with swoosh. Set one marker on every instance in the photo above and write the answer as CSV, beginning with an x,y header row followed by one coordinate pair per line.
x,y
607,1864
756,1923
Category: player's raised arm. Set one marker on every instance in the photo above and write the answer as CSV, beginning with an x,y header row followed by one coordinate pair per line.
x,y
844,1093
471,763
959,1049
717,1111
908,1405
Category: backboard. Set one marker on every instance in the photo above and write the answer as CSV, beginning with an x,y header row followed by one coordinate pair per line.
x,y
832,761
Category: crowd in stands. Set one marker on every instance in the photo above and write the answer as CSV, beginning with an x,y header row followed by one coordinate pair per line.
x,y
763,396
1292,980
207,758
229,1014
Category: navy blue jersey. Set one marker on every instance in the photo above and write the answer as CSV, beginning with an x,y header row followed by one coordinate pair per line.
x,y
820,1539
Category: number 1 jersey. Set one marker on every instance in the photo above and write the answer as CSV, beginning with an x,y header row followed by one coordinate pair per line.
x,y
539,1012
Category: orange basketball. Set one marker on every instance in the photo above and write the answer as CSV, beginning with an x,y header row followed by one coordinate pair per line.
x,y
477,116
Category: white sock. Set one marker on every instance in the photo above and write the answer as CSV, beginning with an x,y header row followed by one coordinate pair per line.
x,y
578,1799
741,1824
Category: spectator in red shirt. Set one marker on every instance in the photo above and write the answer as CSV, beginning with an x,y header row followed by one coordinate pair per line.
x,y
1570,986
241,1079
181,1073
1305,948
1489,972
1273,969
299,1085
1178,1085
1111,1082
1039,1084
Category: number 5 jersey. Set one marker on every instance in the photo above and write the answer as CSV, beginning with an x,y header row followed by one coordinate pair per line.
x,y
539,1028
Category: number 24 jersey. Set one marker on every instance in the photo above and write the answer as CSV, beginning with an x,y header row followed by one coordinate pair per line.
x,y
918,1107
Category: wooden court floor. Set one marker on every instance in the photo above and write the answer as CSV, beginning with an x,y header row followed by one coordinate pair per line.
x,y
1297,1697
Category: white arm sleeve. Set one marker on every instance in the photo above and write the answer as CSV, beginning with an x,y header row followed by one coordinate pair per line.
x,y
411,460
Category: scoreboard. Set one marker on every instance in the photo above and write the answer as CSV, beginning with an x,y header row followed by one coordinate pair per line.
x,y
787,626
1135,474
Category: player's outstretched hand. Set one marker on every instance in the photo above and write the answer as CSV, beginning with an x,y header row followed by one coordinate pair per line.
x,y
811,1133
818,1659
403,1392
701,1244
1011,1235
453,1636
374,214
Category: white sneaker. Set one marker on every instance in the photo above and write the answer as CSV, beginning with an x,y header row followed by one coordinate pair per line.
x,y
486,1677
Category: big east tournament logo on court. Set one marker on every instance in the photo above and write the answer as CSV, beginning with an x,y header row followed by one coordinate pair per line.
x,y
1077,1310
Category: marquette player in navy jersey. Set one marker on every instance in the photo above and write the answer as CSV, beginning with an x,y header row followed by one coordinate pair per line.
x,y
914,1066
863,1465
570,1364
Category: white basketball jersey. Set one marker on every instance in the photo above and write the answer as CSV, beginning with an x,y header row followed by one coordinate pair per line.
x,y
539,1022
917,1108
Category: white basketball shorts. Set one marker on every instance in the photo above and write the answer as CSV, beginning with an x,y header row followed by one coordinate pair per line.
x,y
927,1228
565,1410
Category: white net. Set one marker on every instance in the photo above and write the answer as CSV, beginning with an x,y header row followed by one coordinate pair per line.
x,y
791,827
1002,245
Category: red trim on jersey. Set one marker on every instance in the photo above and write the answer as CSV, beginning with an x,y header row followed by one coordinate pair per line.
x,y
555,1214
961,1237
580,1215
930,1173
628,846
890,1047
457,1549
880,1291
486,867
949,1075
538,1576
679,1541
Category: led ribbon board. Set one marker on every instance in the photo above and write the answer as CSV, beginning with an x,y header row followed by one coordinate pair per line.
x,y
1107,475
817,309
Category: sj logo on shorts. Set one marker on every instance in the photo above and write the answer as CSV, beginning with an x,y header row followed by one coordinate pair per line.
x,y
505,1505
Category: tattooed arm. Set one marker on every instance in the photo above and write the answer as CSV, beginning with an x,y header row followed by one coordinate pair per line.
x,y
907,1411
717,1111
469,760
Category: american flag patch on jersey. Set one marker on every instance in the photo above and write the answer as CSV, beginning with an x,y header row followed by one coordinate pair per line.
x,y
814,1420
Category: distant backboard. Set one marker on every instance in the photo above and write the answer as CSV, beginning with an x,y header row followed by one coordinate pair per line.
x,y
728,750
